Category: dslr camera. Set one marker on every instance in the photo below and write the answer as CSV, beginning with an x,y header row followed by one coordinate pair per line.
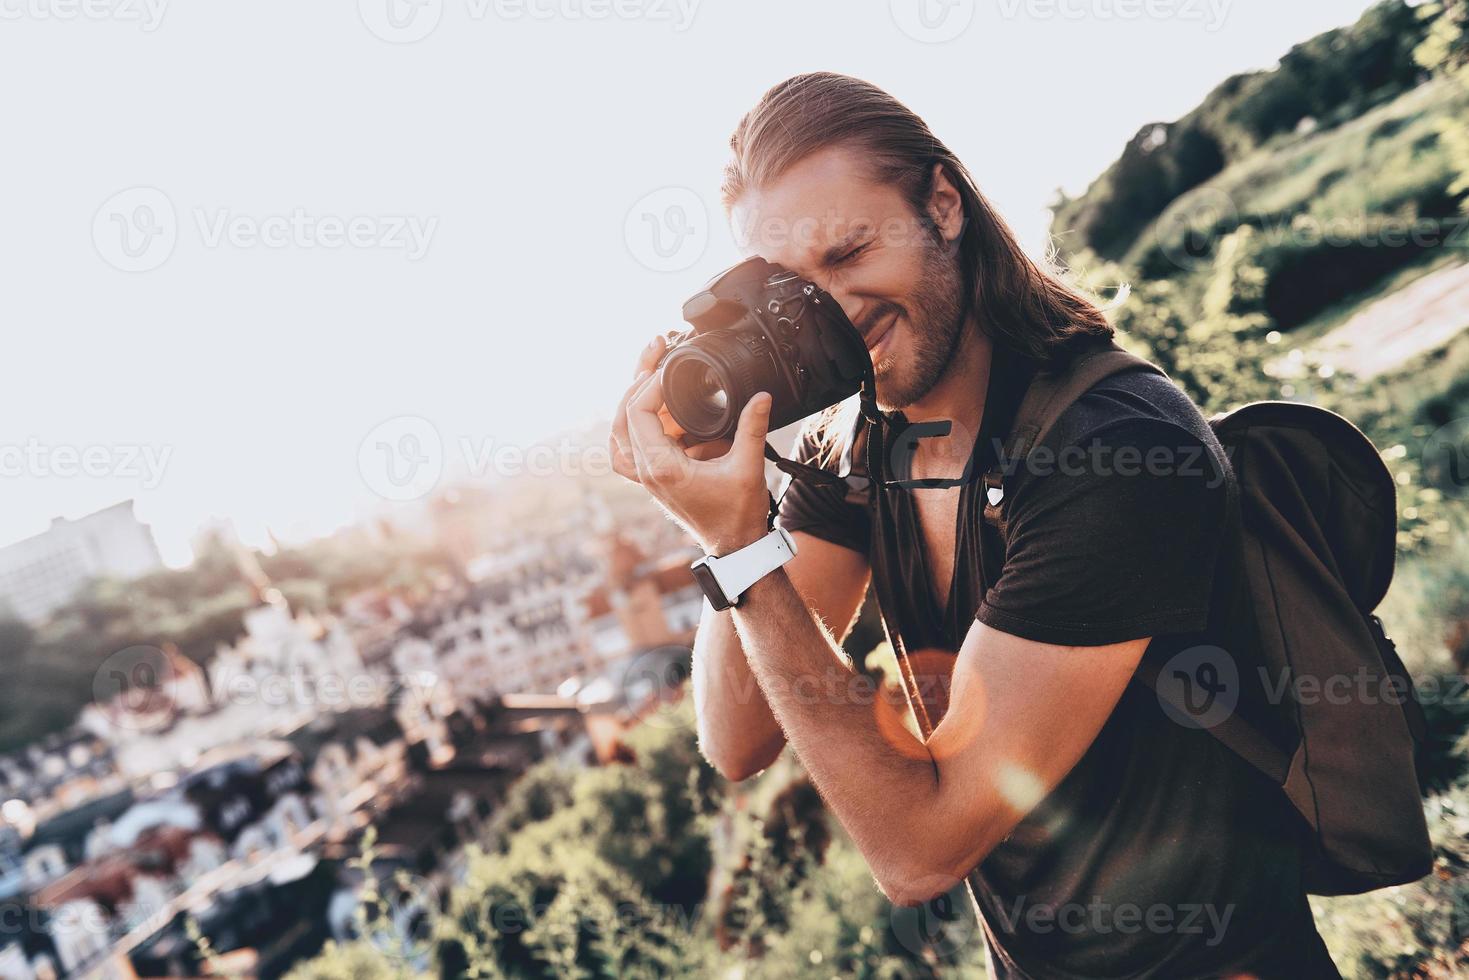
x,y
758,327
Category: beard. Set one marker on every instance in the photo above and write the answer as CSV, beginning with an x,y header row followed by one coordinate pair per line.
x,y
935,316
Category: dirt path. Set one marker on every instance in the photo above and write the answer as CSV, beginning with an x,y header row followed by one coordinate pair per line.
x,y
1407,322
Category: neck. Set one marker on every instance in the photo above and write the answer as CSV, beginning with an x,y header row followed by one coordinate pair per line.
x,y
958,396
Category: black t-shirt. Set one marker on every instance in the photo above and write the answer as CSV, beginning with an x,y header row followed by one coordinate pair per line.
x,y
1161,854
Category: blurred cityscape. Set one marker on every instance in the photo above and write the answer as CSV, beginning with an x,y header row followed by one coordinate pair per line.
x,y
450,741
228,794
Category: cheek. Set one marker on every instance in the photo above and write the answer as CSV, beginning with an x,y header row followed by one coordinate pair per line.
x,y
888,278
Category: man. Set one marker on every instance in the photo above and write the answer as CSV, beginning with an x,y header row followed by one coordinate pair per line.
x,y
1099,837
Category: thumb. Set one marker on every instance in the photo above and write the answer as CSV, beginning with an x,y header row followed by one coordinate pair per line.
x,y
754,425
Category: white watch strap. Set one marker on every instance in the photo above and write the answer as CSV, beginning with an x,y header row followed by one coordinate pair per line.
x,y
738,571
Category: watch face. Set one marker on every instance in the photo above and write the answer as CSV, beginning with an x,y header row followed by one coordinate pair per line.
x,y
710,585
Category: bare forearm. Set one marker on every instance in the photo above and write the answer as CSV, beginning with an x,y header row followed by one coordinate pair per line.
x,y
737,732
877,778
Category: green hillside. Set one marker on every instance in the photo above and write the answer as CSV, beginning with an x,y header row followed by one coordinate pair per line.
x,y
1285,206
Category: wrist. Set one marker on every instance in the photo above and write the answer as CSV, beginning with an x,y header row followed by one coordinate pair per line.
x,y
725,578
728,542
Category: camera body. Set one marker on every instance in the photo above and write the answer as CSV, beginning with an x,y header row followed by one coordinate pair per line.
x,y
758,327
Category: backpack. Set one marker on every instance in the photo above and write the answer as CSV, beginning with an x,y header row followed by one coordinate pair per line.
x,y
1316,542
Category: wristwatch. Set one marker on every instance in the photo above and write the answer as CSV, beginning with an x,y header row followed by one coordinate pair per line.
x,y
725,580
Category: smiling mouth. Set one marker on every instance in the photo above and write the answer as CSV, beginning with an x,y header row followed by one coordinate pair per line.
x,y
878,335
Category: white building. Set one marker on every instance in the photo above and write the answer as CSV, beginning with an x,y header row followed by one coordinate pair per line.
x,y
44,571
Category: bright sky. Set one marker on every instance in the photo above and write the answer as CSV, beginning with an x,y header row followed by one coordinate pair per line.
x,y
238,238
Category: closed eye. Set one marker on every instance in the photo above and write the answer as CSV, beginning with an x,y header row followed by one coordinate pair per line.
x,y
848,257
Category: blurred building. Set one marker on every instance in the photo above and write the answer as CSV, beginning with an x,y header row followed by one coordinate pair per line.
x,y
42,572
643,603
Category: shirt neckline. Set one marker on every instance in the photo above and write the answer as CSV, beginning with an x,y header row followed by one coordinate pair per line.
x,y
1009,376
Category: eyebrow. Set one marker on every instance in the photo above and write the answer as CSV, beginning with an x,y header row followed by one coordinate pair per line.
x,y
841,248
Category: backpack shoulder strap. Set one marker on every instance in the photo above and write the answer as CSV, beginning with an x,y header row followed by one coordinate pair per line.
x,y
1048,397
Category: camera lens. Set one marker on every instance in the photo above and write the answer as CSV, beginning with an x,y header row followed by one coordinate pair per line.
x,y
697,394
710,393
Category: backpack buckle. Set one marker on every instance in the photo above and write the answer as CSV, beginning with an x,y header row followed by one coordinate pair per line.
x,y
994,489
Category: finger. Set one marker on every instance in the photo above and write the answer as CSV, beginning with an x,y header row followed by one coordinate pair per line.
x,y
705,450
749,437
658,455
620,442
650,356
623,463
698,450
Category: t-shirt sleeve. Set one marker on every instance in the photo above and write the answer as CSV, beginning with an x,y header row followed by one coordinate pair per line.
x,y
826,512
1117,543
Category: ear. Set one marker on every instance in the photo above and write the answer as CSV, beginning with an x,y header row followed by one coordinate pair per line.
x,y
945,206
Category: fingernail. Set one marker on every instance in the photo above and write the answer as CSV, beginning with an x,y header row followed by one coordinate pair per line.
x,y
642,376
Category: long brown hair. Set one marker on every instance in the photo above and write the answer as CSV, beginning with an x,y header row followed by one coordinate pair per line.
x,y
1015,301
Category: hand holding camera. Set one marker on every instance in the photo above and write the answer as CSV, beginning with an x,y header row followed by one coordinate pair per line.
x,y
692,429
